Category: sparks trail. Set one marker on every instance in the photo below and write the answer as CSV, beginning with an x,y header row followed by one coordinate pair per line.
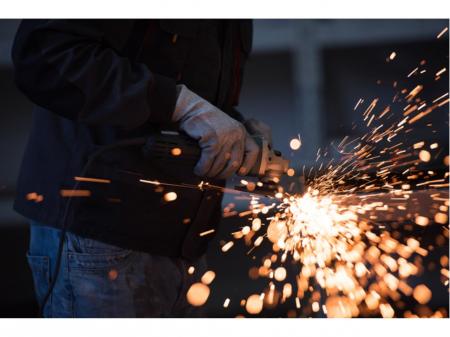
x,y
342,233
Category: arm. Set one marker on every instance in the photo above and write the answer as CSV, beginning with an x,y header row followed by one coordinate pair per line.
x,y
72,68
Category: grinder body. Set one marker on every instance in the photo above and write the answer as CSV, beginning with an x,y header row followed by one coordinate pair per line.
x,y
176,149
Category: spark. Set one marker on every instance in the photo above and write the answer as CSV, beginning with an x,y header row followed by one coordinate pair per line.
x,y
422,294
254,304
256,224
210,231
287,290
245,230
424,155
440,97
33,196
370,108
441,218
295,144
75,193
93,180
422,220
176,151
258,241
342,141
208,277
442,33
339,233
242,214
370,120
113,274
392,55
290,172
227,246
385,111
153,182
198,294
280,274
428,182
410,109
413,93
413,72
315,306
358,103
423,105
443,102
170,196
440,72
386,310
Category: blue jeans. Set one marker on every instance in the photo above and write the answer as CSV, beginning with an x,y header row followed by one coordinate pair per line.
x,y
97,279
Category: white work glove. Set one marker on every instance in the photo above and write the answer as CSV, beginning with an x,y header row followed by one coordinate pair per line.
x,y
258,128
226,145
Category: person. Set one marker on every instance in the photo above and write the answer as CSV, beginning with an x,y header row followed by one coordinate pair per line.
x,y
98,82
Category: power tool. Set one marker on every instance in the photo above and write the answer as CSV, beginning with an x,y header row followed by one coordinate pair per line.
x,y
172,149
175,148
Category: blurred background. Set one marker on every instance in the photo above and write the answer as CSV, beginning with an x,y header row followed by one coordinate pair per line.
x,y
304,78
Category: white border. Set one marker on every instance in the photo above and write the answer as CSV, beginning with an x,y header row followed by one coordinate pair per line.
x,y
224,327
226,9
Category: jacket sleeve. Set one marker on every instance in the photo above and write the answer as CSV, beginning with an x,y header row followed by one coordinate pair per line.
x,y
73,68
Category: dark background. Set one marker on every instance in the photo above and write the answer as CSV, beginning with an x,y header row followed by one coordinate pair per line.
x,y
304,77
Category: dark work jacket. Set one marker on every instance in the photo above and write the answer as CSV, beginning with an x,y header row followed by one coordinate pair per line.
x,y
96,82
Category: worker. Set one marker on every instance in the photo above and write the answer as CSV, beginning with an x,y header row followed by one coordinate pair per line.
x,y
128,246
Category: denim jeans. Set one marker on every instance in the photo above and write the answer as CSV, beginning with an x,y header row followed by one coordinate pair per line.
x,y
97,279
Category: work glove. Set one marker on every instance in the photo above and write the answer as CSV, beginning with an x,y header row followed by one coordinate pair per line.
x,y
260,129
226,146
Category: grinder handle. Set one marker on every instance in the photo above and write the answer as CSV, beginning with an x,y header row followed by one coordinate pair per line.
x,y
172,147
178,149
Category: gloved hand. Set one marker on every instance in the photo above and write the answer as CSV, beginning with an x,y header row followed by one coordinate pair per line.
x,y
226,146
258,128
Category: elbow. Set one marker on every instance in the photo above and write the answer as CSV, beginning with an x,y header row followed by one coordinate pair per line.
x,y
45,88
26,82
27,62
23,70
38,80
